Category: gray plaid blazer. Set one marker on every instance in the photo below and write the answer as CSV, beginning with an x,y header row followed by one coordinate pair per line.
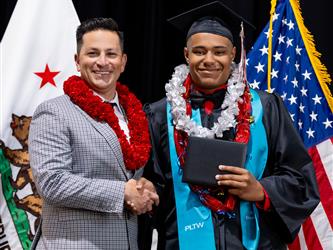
x,y
79,171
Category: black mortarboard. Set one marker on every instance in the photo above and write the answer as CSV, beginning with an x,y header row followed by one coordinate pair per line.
x,y
214,17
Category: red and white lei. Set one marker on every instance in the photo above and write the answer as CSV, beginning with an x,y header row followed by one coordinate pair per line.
x,y
136,151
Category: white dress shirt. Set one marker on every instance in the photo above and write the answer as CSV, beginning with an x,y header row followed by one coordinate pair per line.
x,y
119,112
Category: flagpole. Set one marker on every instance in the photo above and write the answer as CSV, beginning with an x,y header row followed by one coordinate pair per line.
x,y
270,38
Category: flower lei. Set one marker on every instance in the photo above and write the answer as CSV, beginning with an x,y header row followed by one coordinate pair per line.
x,y
137,151
236,109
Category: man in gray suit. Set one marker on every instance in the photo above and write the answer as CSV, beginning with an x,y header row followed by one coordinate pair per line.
x,y
87,148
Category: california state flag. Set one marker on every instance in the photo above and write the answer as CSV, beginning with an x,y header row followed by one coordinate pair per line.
x,y
37,55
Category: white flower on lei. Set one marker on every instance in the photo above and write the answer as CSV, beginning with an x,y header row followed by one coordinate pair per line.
x,y
174,93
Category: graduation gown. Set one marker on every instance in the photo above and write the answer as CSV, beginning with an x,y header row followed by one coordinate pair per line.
x,y
288,179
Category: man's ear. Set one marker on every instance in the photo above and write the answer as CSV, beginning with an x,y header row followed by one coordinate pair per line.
x,y
124,61
77,62
233,53
186,55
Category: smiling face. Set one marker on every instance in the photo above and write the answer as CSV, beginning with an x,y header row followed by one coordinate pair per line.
x,y
209,57
101,61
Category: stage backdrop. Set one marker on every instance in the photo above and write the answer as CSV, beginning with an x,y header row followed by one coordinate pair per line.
x,y
37,47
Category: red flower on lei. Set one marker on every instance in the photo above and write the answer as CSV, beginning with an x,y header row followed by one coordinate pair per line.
x,y
215,198
137,151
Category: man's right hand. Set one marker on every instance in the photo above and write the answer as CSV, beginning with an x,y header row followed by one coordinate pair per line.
x,y
146,187
138,201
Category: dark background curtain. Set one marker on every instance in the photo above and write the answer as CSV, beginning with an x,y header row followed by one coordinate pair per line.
x,y
154,47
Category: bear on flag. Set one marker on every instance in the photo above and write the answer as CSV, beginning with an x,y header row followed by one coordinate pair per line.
x,y
37,55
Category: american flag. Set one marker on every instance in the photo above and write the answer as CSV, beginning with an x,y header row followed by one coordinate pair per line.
x,y
298,76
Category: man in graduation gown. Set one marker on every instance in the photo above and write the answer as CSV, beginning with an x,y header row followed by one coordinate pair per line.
x,y
257,206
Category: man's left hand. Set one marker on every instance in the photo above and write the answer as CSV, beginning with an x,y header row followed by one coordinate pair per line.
x,y
145,186
240,182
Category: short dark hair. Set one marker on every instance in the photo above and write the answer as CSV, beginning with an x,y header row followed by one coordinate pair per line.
x,y
97,23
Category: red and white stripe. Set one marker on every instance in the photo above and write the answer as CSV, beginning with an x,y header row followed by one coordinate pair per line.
x,y
317,231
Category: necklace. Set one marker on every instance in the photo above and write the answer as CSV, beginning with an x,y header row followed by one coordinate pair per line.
x,y
136,151
175,91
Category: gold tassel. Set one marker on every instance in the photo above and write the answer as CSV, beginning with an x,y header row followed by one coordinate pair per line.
x,y
320,69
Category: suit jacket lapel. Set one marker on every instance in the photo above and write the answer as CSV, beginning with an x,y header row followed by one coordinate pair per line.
x,y
110,137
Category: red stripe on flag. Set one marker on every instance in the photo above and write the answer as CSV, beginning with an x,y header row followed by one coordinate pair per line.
x,y
295,245
310,235
325,189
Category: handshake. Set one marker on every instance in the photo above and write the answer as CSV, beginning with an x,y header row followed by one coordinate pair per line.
x,y
140,196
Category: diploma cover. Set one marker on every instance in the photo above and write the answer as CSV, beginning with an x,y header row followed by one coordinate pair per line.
x,y
203,156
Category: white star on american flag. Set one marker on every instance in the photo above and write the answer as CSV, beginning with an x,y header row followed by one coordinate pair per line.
x,y
327,123
271,90
306,75
300,124
310,133
284,96
255,84
275,16
285,79
267,33
298,50
289,42
277,56
264,50
301,108
290,25
317,99
297,66
260,67
274,73
287,60
281,39
304,91
292,99
313,116
295,82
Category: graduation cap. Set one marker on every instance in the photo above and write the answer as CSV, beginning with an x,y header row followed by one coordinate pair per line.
x,y
215,17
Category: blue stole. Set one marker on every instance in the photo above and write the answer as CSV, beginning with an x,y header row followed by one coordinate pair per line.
x,y
194,220
256,159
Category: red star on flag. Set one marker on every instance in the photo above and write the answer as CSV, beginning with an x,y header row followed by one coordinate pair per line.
x,y
47,76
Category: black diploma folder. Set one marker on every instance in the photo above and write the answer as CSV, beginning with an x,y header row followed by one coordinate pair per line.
x,y
203,156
